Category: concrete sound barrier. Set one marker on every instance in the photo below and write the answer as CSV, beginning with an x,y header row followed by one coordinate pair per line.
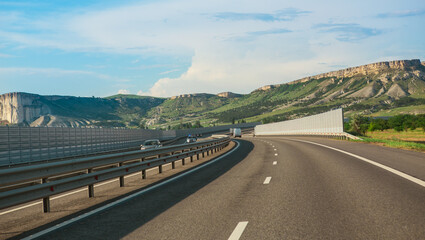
x,y
328,123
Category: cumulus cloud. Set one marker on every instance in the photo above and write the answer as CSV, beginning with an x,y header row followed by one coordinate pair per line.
x,y
234,45
123,91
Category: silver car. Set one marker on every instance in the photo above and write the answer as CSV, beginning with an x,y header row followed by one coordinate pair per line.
x,y
151,143
191,139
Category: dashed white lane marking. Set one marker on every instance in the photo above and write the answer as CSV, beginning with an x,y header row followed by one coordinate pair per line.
x,y
237,233
70,221
267,181
275,154
392,170
275,149
275,163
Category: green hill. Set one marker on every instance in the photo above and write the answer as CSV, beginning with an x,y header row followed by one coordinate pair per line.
x,y
378,89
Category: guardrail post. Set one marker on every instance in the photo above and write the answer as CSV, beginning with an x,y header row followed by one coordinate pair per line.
x,y
122,177
46,200
173,163
183,158
91,186
191,156
143,171
160,166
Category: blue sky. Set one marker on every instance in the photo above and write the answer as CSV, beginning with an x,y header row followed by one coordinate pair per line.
x,y
165,48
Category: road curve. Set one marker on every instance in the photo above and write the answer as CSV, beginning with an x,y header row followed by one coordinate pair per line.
x,y
275,188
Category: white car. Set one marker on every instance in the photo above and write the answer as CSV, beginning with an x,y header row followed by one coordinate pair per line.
x,y
191,139
151,143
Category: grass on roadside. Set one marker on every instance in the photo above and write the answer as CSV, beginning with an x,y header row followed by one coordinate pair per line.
x,y
394,143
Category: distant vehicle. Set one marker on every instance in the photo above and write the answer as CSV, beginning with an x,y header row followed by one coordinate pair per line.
x,y
151,143
237,132
191,139
231,132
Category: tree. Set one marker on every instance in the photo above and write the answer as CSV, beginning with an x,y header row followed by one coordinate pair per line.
x,y
197,124
378,124
359,124
396,123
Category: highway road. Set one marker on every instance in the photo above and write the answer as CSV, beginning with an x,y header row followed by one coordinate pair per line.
x,y
274,188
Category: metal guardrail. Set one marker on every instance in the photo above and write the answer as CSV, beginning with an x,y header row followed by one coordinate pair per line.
x,y
94,171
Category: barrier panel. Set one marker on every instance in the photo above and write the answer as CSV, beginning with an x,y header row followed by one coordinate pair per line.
x,y
328,123
20,145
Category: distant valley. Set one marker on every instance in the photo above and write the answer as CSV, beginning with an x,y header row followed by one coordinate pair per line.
x,y
378,89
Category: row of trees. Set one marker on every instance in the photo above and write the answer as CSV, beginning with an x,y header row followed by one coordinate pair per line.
x,y
359,125
188,125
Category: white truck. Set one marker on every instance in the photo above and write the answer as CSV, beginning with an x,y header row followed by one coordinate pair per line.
x,y
237,132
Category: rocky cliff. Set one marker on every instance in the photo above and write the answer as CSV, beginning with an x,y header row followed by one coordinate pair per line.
x,y
229,95
67,111
19,108
368,69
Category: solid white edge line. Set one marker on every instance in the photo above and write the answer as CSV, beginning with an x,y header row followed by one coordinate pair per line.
x,y
267,181
392,170
36,235
237,233
275,163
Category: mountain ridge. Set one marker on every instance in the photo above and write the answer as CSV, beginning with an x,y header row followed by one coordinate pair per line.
x,y
367,89
362,69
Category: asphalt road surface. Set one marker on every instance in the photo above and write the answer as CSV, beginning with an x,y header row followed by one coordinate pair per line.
x,y
275,188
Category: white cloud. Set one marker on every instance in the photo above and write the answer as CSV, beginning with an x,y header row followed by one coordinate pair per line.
x,y
238,51
123,91
170,71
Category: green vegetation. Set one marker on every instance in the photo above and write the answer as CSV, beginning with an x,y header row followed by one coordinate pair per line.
x,y
394,143
359,125
401,131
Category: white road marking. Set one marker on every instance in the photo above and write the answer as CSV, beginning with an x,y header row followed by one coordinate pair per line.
x,y
275,163
267,181
275,154
237,233
112,204
392,170
275,149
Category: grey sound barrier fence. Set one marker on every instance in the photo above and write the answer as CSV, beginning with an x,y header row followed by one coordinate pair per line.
x,y
20,145
328,123
31,144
